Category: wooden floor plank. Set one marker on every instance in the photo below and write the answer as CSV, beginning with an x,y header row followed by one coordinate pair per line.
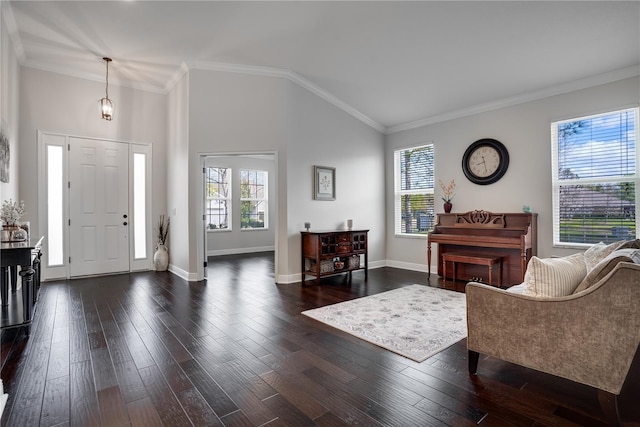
x,y
403,415
241,394
150,349
28,416
78,342
113,410
55,405
197,408
142,413
169,409
33,381
136,347
210,390
103,370
288,414
169,367
129,381
297,396
58,360
85,410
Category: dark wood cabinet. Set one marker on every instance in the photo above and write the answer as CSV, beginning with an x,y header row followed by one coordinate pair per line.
x,y
325,253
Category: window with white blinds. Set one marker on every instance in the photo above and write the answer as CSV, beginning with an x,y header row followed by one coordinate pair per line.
x,y
414,190
596,186
253,199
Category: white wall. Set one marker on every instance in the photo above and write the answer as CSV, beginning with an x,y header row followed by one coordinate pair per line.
x,y
9,109
323,135
236,113
178,177
237,240
525,130
56,103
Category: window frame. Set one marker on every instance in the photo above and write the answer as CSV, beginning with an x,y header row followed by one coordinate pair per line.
x,y
264,199
399,192
557,182
228,199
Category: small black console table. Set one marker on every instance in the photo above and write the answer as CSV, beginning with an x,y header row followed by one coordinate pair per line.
x,y
26,256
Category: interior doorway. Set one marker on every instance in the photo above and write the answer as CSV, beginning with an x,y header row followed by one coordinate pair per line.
x,y
239,204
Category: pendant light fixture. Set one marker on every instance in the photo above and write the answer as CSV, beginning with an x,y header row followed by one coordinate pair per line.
x,y
106,106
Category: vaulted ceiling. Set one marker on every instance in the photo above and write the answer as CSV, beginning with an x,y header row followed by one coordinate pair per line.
x,y
393,64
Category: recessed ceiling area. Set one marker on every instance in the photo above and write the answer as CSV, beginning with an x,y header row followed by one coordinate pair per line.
x,y
395,63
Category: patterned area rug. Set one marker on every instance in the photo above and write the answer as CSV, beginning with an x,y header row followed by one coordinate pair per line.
x,y
415,321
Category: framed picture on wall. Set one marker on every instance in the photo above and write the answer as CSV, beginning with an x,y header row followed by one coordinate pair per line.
x,y
324,183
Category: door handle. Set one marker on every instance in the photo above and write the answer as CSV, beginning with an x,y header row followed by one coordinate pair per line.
x,y
124,216
124,223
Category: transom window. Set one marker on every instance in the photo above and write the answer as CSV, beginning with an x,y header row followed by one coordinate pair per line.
x,y
414,190
595,178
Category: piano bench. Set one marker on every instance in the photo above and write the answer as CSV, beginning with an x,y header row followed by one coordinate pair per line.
x,y
489,261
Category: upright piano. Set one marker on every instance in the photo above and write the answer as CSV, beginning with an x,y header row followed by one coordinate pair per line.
x,y
511,236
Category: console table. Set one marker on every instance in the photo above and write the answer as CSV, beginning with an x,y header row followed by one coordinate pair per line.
x,y
13,255
325,253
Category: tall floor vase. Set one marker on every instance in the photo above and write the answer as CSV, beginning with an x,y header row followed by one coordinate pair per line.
x,y
161,258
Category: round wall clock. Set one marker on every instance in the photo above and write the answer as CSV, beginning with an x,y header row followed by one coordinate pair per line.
x,y
485,161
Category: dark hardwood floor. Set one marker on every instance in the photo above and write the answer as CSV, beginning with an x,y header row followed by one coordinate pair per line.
x,y
149,349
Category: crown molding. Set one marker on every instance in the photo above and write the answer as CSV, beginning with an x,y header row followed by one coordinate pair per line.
x,y
311,87
12,30
175,77
520,99
294,78
92,77
253,70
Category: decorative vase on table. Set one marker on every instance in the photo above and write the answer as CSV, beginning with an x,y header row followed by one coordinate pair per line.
x,y
161,258
10,214
447,207
7,233
13,233
19,234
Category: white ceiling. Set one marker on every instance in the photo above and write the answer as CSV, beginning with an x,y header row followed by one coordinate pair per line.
x,y
393,64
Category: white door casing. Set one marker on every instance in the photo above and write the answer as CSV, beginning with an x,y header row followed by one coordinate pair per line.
x,y
98,207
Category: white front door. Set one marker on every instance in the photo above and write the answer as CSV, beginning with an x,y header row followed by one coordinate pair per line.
x,y
98,207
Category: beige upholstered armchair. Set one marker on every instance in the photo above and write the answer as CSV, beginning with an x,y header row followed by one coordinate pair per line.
x,y
589,337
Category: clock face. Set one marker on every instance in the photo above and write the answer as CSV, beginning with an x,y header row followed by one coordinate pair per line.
x,y
485,161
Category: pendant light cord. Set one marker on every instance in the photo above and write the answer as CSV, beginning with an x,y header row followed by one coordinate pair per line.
x,y
106,90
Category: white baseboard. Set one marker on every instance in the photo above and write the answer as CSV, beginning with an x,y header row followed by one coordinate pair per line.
x,y
410,266
284,279
189,277
240,250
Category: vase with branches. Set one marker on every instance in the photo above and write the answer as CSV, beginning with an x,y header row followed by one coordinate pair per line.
x,y
447,194
12,212
163,230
